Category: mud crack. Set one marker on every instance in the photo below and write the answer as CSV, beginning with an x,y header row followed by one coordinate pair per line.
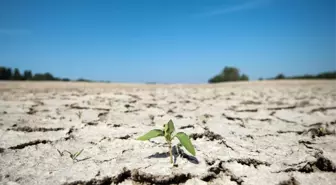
x,y
249,162
281,108
136,176
187,126
36,129
322,109
31,143
290,131
216,170
125,174
247,110
143,177
232,118
285,120
321,164
211,136
76,106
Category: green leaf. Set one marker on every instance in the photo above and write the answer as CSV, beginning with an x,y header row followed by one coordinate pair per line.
x,y
185,141
168,130
151,134
78,153
170,127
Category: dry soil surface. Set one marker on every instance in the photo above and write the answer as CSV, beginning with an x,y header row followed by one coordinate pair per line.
x,y
255,133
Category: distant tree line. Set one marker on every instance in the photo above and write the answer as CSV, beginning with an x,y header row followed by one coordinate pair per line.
x,y
9,74
229,74
323,75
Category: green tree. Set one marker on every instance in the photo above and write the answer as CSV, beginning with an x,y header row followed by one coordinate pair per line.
x,y
9,74
49,76
244,77
228,74
65,79
43,77
327,75
216,79
27,75
83,80
280,76
3,71
17,74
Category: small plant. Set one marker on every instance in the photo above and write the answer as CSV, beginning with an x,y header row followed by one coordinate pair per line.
x,y
73,156
79,114
167,132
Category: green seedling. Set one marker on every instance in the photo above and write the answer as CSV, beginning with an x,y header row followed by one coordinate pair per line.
x,y
79,114
167,133
73,156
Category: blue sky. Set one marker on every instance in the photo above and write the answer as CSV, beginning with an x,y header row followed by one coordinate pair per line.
x,y
174,41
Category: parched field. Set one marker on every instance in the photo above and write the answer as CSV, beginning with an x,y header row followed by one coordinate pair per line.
x,y
249,133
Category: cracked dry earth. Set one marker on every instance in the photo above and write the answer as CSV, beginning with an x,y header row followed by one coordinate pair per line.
x,y
255,133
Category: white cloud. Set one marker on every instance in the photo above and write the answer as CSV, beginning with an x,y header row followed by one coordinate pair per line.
x,y
14,32
252,4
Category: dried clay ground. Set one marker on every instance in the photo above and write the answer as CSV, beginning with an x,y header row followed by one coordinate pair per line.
x,y
249,133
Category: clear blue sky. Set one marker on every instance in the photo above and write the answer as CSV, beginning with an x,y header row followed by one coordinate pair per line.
x,y
185,41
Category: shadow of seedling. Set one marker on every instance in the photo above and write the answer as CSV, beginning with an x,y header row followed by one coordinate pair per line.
x,y
73,156
179,152
159,155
